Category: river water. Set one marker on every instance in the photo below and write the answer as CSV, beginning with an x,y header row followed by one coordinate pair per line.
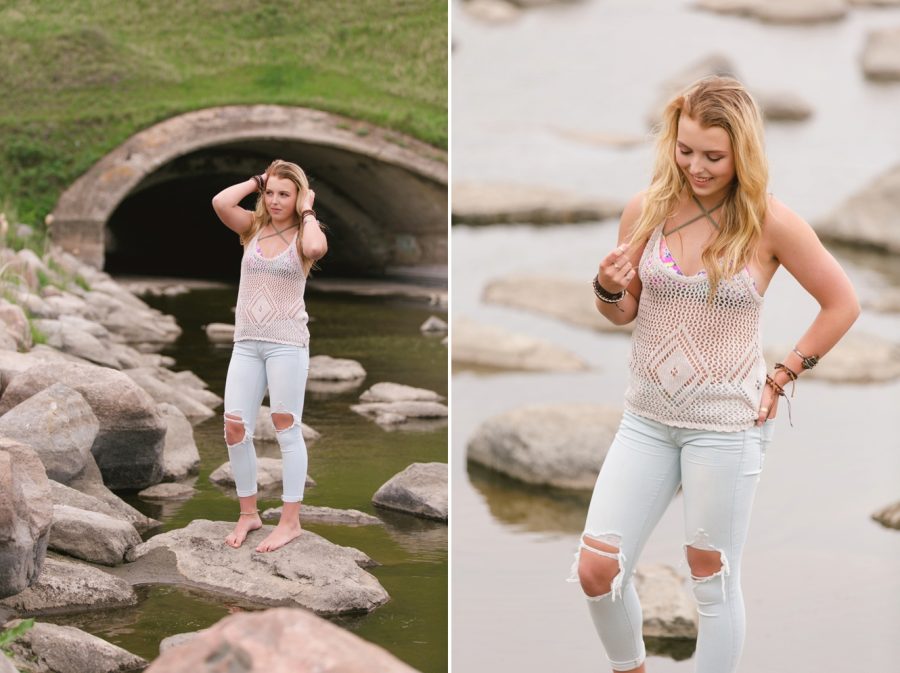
x,y
349,462
821,578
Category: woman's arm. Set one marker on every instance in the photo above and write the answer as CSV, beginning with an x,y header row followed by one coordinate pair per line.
x,y
313,241
225,203
618,269
796,246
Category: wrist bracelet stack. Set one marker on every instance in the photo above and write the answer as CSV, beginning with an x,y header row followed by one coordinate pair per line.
x,y
808,362
308,211
608,297
260,181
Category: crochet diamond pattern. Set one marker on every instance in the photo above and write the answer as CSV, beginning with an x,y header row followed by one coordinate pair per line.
x,y
270,305
695,364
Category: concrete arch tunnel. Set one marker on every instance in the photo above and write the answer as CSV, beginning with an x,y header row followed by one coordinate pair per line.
x,y
145,208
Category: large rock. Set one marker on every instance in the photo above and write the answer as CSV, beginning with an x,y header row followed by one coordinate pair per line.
x,y
15,323
67,586
89,483
49,648
571,301
180,454
556,445
280,640
779,11
309,572
496,203
490,346
26,514
420,489
268,475
129,445
871,217
857,358
12,364
161,392
394,413
91,536
6,665
889,516
71,339
340,517
881,55
326,368
168,491
61,494
668,610
220,332
397,392
59,425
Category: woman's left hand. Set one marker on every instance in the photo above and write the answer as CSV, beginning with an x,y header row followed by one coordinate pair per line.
x,y
308,200
768,406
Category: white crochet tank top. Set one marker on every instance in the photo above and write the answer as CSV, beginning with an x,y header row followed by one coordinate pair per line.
x,y
695,364
270,304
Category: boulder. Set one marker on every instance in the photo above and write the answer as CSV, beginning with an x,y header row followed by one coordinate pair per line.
x,y
76,341
59,425
778,11
668,610
268,475
162,392
220,332
13,363
129,446
26,515
6,665
326,368
89,484
871,217
265,428
50,648
393,413
279,640
571,301
68,586
498,203
168,491
433,325
881,55
889,516
329,515
62,494
309,571
141,325
420,489
396,392
556,445
91,536
15,323
180,454
857,358
490,346
176,640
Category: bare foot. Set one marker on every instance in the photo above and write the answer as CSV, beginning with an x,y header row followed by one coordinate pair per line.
x,y
244,525
283,533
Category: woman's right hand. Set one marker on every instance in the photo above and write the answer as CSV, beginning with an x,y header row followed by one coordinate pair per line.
x,y
616,270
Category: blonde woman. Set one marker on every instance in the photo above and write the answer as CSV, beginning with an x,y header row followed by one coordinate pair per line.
x,y
696,253
282,240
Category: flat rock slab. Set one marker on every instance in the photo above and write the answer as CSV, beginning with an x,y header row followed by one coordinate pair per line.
x,y
280,640
889,516
220,332
433,325
571,301
316,514
91,536
67,586
779,11
326,368
857,358
555,445
881,55
397,392
268,474
668,610
871,217
401,413
499,203
491,346
168,491
64,649
309,572
420,489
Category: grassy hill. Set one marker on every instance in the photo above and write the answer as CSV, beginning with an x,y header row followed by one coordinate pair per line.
x,y
78,78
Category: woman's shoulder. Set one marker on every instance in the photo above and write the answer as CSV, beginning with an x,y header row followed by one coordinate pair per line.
x,y
780,218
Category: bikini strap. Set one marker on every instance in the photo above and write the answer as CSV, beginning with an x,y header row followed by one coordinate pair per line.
x,y
706,213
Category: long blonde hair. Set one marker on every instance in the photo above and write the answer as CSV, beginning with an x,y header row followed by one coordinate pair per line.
x,y
261,217
722,102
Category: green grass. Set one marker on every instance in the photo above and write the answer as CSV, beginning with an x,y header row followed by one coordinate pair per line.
x,y
81,77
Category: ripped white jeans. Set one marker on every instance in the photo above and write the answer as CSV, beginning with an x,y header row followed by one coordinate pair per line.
x,y
254,366
718,472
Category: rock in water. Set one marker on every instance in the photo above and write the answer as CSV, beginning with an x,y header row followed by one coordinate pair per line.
x,y
420,489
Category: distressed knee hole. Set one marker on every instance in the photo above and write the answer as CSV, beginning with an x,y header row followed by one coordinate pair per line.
x,y
235,432
704,562
283,421
600,565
